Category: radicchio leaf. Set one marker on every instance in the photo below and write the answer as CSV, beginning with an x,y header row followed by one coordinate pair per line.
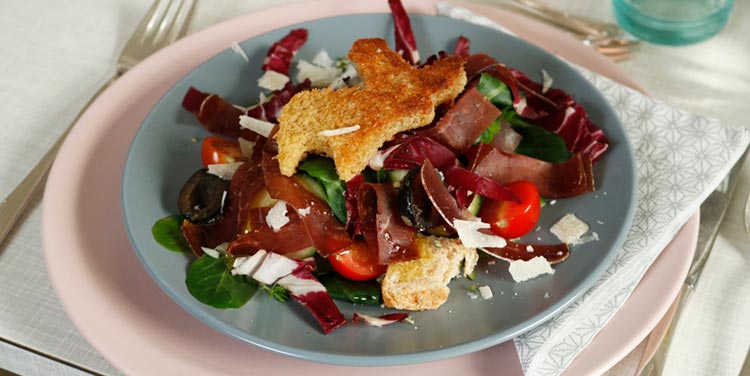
x,y
406,46
462,47
279,56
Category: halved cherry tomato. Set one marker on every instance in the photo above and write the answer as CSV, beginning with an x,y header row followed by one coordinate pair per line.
x,y
510,219
357,262
217,150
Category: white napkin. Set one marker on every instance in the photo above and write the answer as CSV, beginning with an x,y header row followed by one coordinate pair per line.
x,y
681,158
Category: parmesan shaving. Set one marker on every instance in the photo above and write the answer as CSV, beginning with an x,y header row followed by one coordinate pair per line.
x,y
522,270
260,127
239,51
276,217
272,80
224,170
471,237
339,131
569,228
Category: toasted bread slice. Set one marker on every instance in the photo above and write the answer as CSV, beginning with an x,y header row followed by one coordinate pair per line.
x,y
393,97
423,283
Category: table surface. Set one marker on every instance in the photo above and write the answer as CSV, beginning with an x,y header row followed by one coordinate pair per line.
x,y
55,55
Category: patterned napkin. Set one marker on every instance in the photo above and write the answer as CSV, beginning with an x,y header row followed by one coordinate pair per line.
x,y
681,158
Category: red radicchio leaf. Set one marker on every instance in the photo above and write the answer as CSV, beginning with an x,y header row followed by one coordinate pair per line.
x,y
462,47
279,56
270,110
462,178
406,46
379,321
311,294
415,150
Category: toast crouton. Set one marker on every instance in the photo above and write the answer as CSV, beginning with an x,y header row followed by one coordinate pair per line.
x,y
423,283
394,96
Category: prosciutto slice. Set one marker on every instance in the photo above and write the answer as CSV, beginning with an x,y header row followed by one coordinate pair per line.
x,y
245,185
220,116
382,225
464,122
554,253
553,180
326,232
289,238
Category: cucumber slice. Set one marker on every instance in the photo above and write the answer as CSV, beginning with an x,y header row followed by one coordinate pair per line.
x,y
302,253
476,204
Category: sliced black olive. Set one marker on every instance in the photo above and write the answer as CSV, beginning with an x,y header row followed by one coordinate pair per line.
x,y
201,198
415,204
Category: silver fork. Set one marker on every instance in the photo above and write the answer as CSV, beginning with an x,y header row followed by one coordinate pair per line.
x,y
607,38
165,22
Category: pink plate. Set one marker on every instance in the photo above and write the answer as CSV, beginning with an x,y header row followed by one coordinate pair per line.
x,y
126,316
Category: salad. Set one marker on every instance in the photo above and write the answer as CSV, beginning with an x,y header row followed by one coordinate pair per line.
x,y
303,207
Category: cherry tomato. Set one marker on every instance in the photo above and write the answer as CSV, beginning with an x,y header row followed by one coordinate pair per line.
x,y
220,150
510,219
357,262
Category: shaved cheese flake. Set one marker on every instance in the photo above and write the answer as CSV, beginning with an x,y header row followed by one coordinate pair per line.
x,y
303,212
323,59
318,76
272,80
247,265
224,170
276,217
546,81
522,270
274,266
260,127
569,228
211,252
246,147
348,78
471,237
486,292
339,131
239,51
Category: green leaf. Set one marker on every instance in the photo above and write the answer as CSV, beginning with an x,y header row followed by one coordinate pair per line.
x,y
168,233
356,292
490,132
495,90
537,142
210,281
324,171
275,291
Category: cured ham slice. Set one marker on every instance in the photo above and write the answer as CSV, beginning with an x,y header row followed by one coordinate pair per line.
x,y
553,180
382,225
464,122
326,232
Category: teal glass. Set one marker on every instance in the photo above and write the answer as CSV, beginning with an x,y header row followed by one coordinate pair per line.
x,y
672,22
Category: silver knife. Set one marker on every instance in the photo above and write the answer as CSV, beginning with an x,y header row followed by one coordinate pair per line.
x,y
712,214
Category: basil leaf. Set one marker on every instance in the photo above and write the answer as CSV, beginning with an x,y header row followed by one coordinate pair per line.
x,y
210,281
324,171
168,233
356,292
495,90
537,142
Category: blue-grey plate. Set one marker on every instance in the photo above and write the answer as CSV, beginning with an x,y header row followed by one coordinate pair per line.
x,y
164,154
